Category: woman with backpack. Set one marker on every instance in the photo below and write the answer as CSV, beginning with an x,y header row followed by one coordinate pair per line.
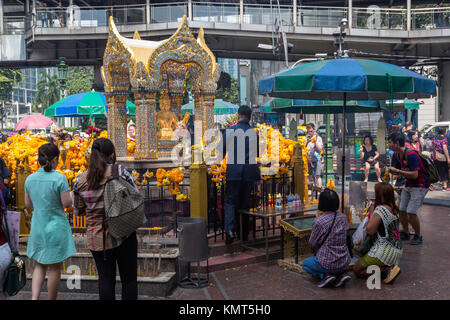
x,y
106,250
441,157
50,242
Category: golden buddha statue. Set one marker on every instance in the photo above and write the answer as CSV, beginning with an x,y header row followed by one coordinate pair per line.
x,y
166,120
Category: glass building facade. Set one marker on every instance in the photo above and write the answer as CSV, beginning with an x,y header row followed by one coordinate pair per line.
x,y
25,92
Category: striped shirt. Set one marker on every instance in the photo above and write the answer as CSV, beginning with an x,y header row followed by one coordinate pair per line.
x,y
333,254
91,203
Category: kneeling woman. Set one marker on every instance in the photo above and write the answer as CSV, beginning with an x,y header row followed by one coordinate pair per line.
x,y
383,228
328,241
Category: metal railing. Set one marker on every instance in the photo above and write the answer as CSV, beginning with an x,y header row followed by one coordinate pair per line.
x,y
379,18
262,14
168,12
78,17
13,25
432,18
216,12
308,16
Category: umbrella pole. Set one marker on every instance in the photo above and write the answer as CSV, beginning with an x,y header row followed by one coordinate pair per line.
x,y
343,153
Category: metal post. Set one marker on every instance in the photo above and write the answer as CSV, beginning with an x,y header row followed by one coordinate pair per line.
x,y
1,17
408,15
147,11
350,13
343,152
241,11
190,10
239,80
294,13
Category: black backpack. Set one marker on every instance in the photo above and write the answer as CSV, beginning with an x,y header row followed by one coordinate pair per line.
x,y
431,171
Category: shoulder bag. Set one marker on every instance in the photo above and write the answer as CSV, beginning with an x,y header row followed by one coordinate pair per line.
x,y
15,274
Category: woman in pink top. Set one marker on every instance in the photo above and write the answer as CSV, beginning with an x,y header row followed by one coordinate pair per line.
x,y
412,141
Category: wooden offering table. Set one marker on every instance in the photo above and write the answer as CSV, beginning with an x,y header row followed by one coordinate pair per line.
x,y
265,214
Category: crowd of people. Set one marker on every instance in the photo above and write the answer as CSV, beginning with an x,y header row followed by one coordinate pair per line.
x,y
382,244
51,242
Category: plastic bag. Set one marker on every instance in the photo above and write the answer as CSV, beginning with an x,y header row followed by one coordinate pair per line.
x,y
361,231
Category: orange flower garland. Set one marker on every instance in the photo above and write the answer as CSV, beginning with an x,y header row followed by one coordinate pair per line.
x,y
171,179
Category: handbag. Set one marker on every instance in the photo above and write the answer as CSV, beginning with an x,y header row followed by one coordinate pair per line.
x,y
441,157
15,274
365,246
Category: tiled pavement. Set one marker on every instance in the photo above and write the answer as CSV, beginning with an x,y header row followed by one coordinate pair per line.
x,y
425,275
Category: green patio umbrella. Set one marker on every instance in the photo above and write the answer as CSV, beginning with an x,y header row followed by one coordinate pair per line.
x,y
347,79
85,104
220,107
324,106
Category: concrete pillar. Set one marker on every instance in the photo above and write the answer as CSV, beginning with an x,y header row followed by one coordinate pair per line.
x,y
350,14
444,92
408,15
147,12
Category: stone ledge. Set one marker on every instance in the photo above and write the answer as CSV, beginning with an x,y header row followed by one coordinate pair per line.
x,y
162,285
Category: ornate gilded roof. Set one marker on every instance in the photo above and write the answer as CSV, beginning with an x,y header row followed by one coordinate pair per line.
x,y
144,58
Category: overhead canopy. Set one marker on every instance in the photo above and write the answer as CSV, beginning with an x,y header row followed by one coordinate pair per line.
x,y
402,105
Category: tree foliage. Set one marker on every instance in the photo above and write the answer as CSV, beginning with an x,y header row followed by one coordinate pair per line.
x,y
47,92
79,79
229,94
9,78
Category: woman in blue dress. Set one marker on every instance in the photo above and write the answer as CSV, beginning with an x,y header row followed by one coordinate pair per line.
x,y
50,241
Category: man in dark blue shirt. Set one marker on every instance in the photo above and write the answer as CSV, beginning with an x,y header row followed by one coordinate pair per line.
x,y
241,143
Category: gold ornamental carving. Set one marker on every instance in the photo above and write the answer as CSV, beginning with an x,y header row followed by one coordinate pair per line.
x,y
152,67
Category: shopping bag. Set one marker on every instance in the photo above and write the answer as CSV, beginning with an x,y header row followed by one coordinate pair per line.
x,y
360,232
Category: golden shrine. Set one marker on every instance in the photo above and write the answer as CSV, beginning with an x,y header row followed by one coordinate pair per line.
x,y
157,68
